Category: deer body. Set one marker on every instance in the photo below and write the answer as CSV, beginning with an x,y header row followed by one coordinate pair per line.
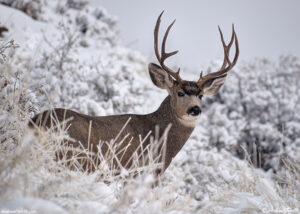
x,y
107,127
181,109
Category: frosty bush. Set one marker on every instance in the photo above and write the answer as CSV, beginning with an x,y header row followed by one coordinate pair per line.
x,y
77,4
79,64
17,103
258,110
5,48
30,7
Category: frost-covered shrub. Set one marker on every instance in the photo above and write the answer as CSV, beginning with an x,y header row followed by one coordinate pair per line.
x,y
258,110
77,4
30,7
80,65
90,85
6,47
17,104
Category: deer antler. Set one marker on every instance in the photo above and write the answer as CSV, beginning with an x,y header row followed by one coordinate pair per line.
x,y
164,55
226,61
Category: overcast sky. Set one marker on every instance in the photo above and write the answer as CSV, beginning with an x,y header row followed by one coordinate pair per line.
x,y
265,28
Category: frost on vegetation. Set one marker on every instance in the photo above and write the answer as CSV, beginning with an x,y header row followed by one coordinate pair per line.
x,y
257,111
31,7
221,183
17,104
5,46
77,62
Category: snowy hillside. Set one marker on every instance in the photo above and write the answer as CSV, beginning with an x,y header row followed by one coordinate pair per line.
x,y
243,157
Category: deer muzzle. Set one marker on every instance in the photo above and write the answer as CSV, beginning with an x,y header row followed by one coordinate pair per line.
x,y
194,111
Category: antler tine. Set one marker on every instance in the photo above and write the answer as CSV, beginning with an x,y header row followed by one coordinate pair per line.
x,y
200,76
163,47
237,50
226,61
156,30
226,47
164,55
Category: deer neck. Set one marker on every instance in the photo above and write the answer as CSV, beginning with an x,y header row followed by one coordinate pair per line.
x,y
179,132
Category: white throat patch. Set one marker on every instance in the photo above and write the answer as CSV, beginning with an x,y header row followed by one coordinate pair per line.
x,y
188,121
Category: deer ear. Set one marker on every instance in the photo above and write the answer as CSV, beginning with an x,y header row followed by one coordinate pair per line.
x,y
211,86
160,77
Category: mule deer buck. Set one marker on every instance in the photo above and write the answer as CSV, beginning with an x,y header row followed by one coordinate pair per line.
x,y
180,108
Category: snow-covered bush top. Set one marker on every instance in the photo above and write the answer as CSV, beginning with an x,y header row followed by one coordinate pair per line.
x,y
258,109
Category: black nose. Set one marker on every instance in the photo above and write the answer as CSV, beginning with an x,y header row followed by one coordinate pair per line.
x,y
194,111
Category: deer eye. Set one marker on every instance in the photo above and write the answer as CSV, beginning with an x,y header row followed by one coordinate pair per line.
x,y
200,97
180,94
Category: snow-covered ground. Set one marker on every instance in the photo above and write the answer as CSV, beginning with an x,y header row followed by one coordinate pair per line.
x,y
68,54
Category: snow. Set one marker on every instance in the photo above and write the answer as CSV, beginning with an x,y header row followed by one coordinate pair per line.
x,y
32,205
70,56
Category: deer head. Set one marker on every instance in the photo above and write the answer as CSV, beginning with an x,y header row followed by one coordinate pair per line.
x,y
186,95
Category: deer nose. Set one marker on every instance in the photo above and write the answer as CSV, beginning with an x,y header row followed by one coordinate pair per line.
x,y
194,111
